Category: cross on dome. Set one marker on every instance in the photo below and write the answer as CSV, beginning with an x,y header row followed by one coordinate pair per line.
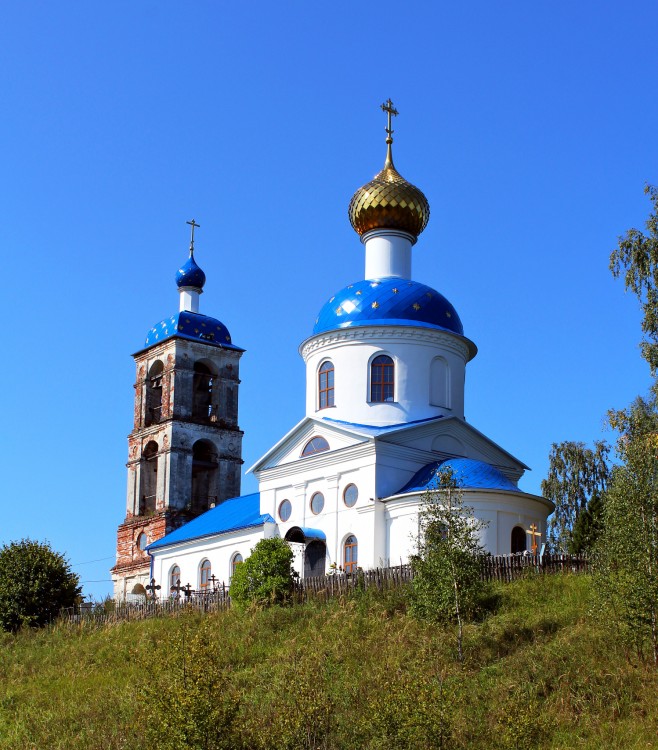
x,y
390,110
389,201
193,224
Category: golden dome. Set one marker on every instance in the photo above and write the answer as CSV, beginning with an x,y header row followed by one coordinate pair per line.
x,y
388,201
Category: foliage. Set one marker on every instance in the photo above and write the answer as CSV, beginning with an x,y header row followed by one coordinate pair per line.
x,y
537,673
588,526
188,699
636,256
628,555
447,585
575,475
35,583
266,576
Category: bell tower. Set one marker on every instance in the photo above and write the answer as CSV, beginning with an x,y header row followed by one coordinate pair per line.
x,y
185,449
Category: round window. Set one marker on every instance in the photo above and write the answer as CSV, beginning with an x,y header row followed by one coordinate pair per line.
x,y
285,509
317,503
351,495
141,541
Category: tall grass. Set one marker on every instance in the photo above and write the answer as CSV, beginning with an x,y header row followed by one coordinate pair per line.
x,y
357,673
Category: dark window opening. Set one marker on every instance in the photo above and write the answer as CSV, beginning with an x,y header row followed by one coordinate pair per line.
x,y
519,540
148,478
154,394
205,468
202,387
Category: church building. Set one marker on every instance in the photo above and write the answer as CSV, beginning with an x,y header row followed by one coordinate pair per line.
x,y
385,374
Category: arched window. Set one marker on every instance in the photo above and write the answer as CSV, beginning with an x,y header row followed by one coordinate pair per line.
x,y
203,382
350,554
204,476
317,503
519,540
315,445
154,394
148,478
204,575
141,541
382,371
235,561
326,385
174,580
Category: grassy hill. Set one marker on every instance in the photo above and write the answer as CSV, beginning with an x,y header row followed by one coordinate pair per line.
x,y
539,673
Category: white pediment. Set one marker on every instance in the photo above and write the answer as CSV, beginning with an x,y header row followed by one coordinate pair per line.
x,y
291,446
449,437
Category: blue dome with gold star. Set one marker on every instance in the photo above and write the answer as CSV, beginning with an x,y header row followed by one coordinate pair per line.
x,y
190,275
191,326
389,301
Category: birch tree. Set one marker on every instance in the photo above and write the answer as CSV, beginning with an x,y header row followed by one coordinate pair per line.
x,y
576,475
627,560
636,258
447,584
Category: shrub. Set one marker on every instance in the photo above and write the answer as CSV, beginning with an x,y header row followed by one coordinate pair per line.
x,y
266,576
35,584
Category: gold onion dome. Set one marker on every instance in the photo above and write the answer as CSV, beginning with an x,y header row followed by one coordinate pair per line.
x,y
388,201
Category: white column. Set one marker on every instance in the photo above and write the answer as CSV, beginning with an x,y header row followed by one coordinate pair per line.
x,y
388,253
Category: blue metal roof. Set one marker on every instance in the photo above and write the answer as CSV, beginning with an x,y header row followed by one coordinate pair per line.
x,y
310,533
375,430
467,472
192,326
230,515
393,302
190,275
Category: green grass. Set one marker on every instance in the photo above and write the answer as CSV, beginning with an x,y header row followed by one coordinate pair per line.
x,y
538,673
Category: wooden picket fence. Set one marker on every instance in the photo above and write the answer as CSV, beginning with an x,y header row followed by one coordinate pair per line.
x,y
111,612
504,568
508,568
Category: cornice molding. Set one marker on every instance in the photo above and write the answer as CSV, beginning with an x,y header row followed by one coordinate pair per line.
x,y
384,334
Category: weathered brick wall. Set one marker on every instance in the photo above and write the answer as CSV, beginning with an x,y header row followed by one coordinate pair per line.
x,y
175,434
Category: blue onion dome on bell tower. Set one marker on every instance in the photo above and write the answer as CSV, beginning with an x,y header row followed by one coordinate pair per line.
x,y
189,274
189,323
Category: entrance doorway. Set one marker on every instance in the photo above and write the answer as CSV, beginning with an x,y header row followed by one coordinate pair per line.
x,y
315,556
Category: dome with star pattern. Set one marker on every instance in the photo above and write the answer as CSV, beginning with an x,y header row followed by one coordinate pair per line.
x,y
191,326
390,301
190,275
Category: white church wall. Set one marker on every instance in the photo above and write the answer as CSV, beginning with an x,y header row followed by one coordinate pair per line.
x,y
330,474
219,550
500,510
413,351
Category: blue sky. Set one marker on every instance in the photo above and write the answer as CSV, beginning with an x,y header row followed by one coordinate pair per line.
x,y
531,128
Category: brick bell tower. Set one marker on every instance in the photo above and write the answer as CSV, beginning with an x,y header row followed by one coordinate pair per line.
x,y
185,449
